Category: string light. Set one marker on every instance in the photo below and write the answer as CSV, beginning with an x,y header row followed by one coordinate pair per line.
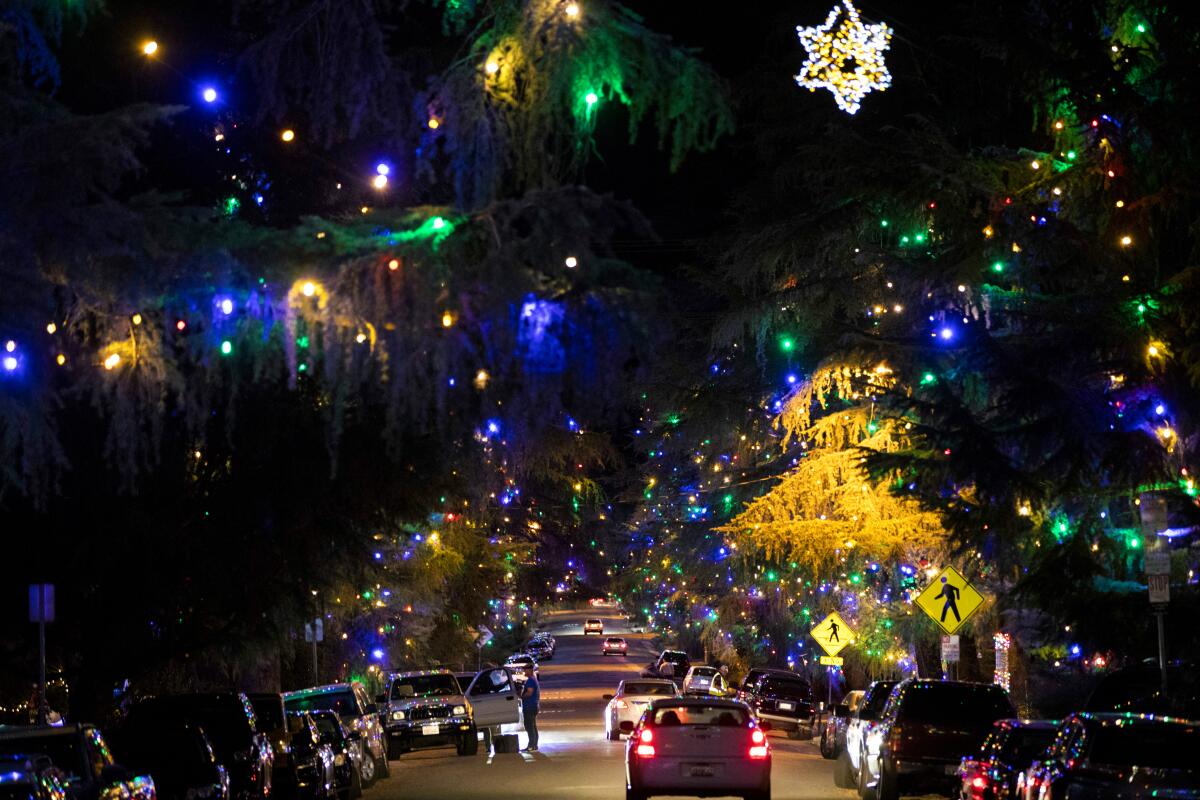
x,y
433,123
492,67
288,135
1126,241
572,10
848,60
10,346
51,328
571,262
591,98
149,47
209,94
394,264
61,359
380,181
136,319
112,361
447,319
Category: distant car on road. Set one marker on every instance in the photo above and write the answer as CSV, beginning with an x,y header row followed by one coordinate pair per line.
x,y
697,746
991,774
1098,756
614,646
352,704
520,665
704,680
429,709
833,734
785,700
670,664
539,649
631,699
927,727
593,625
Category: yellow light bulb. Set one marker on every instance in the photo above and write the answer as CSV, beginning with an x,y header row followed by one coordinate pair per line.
x,y
61,359
51,328
571,262
112,361
1120,204
434,123
1034,165
572,10
394,264
380,181
492,67
362,337
447,319
308,289
288,135
1152,351
150,47
136,319
1126,241
988,232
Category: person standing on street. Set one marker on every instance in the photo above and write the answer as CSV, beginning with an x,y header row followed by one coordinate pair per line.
x,y
530,699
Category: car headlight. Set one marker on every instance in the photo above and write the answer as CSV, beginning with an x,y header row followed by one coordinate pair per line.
x,y
460,710
397,715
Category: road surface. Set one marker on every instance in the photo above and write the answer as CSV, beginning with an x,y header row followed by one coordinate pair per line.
x,y
574,761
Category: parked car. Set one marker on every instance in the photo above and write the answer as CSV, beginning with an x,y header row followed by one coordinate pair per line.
x,y
312,759
177,755
614,645
352,704
849,761
752,676
704,680
493,701
80,754
546,637
786,702
833,732
31,778
991,774
697,746
1098,756
342,742
631,699
228,721
429,709
593,625
925,730
271,721
520,665
1139,689
670,664
539,649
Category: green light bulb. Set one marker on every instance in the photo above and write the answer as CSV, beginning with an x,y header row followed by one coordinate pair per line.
x,y
998,266
226,347
591,98
787,344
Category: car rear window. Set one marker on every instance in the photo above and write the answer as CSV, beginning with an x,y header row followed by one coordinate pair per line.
x,y
424,686
656,689
1162,746
675,657
614,640
704,672
343,702
929,702
875,699
786,686
1025,744
269,711
723,716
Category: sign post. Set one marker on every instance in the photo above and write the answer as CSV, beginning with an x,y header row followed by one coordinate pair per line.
x,y
1158,580
41,611
314,632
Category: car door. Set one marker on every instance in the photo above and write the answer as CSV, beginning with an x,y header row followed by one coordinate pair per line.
x,y
493,698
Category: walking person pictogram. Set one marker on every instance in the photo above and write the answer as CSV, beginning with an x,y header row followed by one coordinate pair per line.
x,y
833,631
950,592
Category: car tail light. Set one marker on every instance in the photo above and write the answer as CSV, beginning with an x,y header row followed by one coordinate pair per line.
x,y
895,737
758,744
645,747
979,785
621,704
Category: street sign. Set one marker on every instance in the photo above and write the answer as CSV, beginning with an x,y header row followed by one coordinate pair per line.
x,y
485,636
832,633
949,600
832,661
1160,588
950,649
41,602
314,631
1158,562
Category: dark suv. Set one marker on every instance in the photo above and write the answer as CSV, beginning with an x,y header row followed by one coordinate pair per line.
x,y
785,701
925,731
669,664
229,722
352,704
86,767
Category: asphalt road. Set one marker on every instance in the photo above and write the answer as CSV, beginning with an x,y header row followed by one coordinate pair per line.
x,y
574,760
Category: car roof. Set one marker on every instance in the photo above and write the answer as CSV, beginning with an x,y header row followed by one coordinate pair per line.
x,y
1130,718
40,731
677,702
417,673
1029,724
328,688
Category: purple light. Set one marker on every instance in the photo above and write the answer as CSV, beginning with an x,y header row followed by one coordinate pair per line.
x,y
493,426
209,94
377,654
383,168
791,378
946,333
378,556
452,381
1160,409
10,363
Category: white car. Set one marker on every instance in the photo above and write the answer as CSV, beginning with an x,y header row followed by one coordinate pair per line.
x,y
631,699
593,626
704,680
698,746
848,767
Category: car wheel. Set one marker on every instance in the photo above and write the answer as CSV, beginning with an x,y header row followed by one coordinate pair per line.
x,y
394,750
843,773
366,769
794,733
864,791
635,794
382,769
888,787
355,785
613,735
468,743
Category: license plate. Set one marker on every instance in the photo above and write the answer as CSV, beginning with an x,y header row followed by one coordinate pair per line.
x,y
699,770
431,730
787,706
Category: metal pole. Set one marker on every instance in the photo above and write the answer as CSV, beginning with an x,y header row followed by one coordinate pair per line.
x,y
42,705
1162,648
316,678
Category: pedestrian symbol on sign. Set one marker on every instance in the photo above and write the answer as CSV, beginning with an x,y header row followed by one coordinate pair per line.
x,y
833,634
833,631
949,600
951,593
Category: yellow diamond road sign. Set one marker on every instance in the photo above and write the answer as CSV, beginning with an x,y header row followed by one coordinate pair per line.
x,y
832,633
949,600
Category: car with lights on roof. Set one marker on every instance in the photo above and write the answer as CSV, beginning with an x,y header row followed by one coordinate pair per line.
x,y
1115,756
702,746
31,778
991,774
85,765
352,704
428,708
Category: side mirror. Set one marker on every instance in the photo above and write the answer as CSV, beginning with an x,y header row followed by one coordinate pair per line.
x,y
606,697
841,710
765,725
626,726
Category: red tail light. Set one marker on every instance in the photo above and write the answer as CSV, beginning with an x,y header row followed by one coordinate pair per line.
x,y
758,744
646,736
645,748
895,738
979,782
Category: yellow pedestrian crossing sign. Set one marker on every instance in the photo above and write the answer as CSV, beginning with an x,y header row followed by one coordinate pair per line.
x,y
832,633
949,600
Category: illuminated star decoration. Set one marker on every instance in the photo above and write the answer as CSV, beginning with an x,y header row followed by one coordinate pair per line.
x,y
848,60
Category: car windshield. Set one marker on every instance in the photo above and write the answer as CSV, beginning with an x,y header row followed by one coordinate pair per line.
x,y
875,700
675,657
341,702
269,711
329,727
703,672
789,687
1025,744
63,751
656,689
425,686
1163,746
724,716
931,702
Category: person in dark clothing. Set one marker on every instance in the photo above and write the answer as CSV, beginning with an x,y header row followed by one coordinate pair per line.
x,y
530,699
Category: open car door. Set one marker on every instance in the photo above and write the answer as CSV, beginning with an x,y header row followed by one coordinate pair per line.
x,y
493,696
